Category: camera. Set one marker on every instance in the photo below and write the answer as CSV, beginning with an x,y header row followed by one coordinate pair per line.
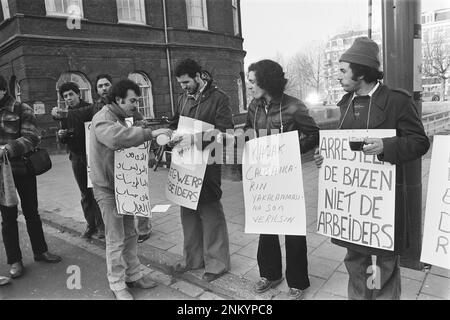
x,y
65,135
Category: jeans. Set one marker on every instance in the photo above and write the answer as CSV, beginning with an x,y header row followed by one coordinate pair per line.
x,y
144,225
26,188
364,284
122,262
269,260
206,238
90,208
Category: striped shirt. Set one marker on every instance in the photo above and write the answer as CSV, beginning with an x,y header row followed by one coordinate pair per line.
x,y
18,128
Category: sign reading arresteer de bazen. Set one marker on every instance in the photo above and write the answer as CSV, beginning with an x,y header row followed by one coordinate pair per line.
x,y
356,201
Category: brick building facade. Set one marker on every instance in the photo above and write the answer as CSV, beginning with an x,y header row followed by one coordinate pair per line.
x,y
46,42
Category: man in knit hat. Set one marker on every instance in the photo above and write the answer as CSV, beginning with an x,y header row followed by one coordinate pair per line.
x,y
369,104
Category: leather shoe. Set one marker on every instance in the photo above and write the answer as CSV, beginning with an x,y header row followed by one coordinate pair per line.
x,y
88,233
142,283
211,276
295,294
100,234
47,257
180,268
4,280
17,270
123,294
143,237
264,284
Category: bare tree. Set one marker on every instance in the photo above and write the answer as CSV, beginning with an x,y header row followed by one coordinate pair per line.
x,y
437,61
304,70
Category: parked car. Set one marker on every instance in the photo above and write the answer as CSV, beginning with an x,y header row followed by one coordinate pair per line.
x,y
431,96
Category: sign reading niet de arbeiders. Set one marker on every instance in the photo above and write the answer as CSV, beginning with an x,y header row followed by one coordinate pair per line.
x,y
356,200
273,185
436,235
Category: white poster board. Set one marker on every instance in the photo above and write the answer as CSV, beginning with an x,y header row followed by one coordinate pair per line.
x,y
188,166
131,181
273,185
87,134
356,200
436,235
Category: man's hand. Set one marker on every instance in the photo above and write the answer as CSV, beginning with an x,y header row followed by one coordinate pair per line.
x,y
318,158
160,131
373,146
58,113
62,133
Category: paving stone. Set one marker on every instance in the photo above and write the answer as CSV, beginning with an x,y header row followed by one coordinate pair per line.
x,y
249,250
160,244
242,239
161,277
337,284
234,248
328,296
440,272
437,286
188,288
410,289
210,296
240,265
427,297
321,267
412,274
253,274
330,251
178,249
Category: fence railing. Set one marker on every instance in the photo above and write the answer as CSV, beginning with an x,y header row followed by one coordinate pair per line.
x,y
436,122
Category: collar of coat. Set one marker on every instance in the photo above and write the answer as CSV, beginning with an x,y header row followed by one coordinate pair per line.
x,y
379,98
261,102
205,93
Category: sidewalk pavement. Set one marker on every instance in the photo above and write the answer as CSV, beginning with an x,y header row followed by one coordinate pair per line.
x,y
60,207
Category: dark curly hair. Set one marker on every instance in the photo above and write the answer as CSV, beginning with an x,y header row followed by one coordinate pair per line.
x,y
189,67
103,76
120,89
269,76
67,86
369,74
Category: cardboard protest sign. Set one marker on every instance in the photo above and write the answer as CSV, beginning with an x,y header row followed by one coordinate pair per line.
x,y
273,185
131,181
436,236
188,166
356,201
87,131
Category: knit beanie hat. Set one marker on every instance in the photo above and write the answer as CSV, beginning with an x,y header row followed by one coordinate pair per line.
x,y
363,51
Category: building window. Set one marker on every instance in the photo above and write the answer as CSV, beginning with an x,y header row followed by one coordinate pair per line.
x,y
5,7
82,82
131,11
73,8
197,14
236,17
17,91
146,100
241,94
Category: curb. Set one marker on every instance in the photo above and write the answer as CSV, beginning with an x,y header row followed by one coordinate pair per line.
x,y
228,287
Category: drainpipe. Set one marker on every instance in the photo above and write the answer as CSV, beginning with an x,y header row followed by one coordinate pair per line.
x,y
169,68
369,33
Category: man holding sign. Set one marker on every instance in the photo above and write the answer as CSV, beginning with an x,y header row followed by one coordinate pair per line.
x,y
272,112
372,105
109,133
204,228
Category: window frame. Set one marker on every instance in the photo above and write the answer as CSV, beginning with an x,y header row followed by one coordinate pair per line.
x,y
5,10
61,14
151,108
205,15
142,11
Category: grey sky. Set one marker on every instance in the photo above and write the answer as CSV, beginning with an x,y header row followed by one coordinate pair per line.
x,y
287,26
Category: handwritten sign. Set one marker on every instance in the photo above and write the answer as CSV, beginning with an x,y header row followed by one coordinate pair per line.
x,y
188,166
436,237
356,191
87,134
131,181
273,185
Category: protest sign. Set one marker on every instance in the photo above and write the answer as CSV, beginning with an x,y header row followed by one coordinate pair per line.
x,y
131,181
273,185
356,200
436,236
188,166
